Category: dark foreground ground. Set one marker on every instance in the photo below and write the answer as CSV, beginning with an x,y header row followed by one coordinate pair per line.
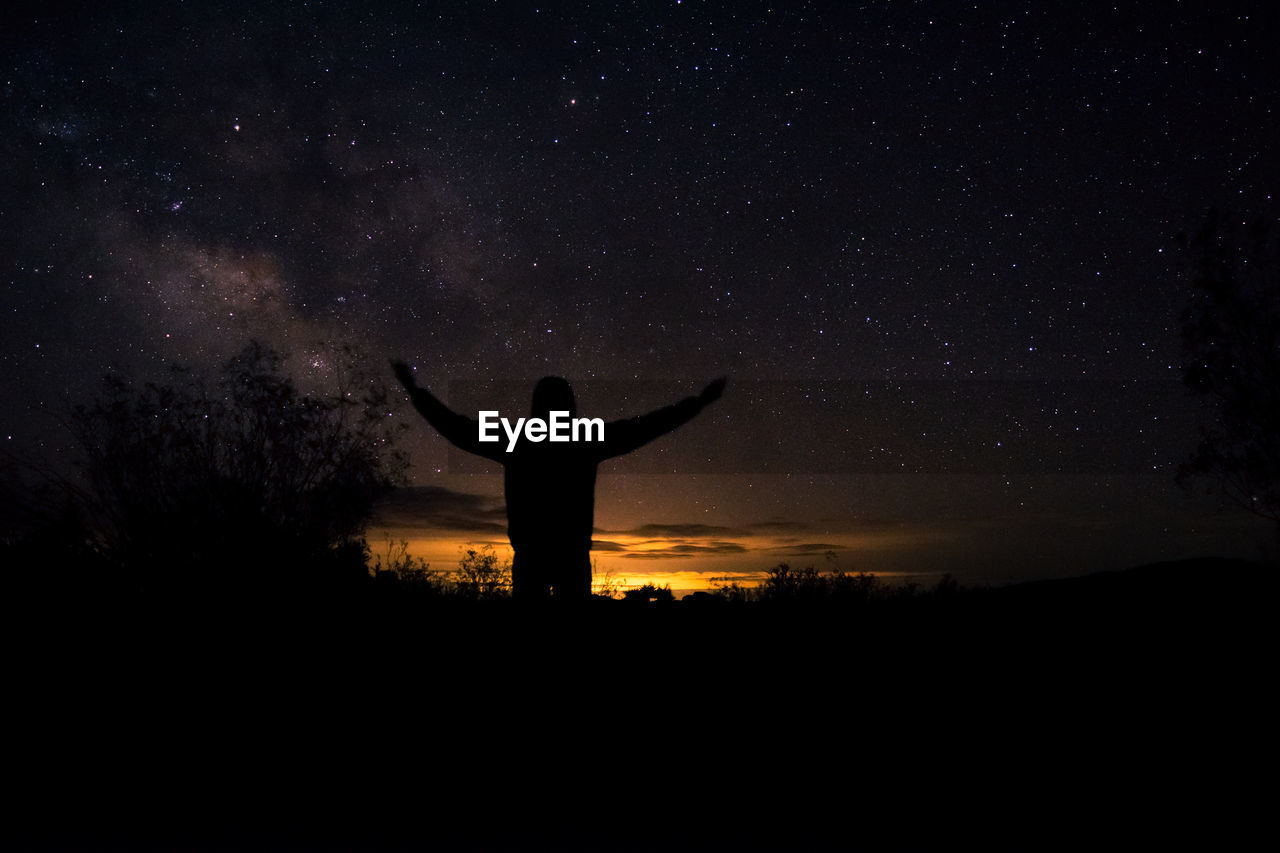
x,y
1113,711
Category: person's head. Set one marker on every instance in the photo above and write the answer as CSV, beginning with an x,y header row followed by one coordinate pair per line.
x,y
553,394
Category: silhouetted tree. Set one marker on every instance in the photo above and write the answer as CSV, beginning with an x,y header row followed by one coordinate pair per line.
x,y
733,591
650,594
1231,337
784,584
480,574
46,543
192,479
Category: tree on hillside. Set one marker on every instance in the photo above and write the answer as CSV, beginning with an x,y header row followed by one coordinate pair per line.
x,y
244,474
1231,340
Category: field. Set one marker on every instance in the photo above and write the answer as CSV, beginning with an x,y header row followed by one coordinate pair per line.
x,y
1120,704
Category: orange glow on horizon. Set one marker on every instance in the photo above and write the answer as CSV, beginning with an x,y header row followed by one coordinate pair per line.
x,y
626,569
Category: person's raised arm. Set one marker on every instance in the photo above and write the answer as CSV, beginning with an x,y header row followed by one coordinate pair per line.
x,y
461,431
625,436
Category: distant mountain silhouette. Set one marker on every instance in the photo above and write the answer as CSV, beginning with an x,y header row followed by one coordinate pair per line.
x,y
1191,581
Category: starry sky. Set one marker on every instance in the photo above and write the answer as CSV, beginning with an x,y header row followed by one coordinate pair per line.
x,y
930,243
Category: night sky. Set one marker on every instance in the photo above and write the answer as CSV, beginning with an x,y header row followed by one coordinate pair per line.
x,y
931,244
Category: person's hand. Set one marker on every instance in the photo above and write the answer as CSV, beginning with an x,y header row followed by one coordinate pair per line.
x,y
713,391
405,374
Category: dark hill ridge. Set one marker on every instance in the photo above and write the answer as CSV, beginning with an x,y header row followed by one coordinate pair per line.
x,y
1221,584
1195,573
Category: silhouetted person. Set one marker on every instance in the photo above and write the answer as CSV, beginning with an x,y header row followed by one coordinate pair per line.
x,y
550,487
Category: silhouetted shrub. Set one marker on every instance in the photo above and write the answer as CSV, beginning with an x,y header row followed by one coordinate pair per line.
x,y
649,594
1231,338
808,586
606,584
947,587
396,564
861,587
785,584
735,592
481,576
46,542
200,480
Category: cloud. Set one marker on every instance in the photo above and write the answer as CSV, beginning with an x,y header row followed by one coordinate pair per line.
x,y
676,530
658,541
425,508
776,526
660,549
806,550
710,548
